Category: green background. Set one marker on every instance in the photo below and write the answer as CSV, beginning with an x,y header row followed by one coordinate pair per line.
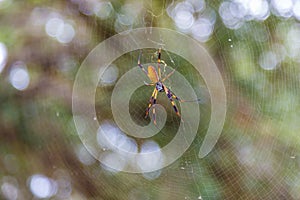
x,y
256,157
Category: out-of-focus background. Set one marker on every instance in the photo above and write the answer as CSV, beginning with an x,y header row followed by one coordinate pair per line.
x,y
256,46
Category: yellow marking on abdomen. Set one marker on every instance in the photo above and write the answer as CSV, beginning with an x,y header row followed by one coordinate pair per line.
x,y
152,74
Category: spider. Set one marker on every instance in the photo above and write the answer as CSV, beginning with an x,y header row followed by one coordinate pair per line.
x,y
157,81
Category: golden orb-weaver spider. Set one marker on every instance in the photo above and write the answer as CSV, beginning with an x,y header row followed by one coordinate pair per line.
x,y
157,81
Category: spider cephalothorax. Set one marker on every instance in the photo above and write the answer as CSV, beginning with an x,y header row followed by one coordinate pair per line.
x,y
159,86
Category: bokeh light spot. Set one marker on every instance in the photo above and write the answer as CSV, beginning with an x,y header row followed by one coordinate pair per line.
x,y
202,29
268,60
235,13
109,75
64,186
66,34
111,137
57,28
9,188
113,159
103,10
54,26
84,156
127,16
227,14
282,8
42,186
292,42
18,76
296,10
198,5
3,56
259,9
151,161
183,15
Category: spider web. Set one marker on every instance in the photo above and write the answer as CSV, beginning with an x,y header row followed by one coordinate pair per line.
x,y
140,98
253,159
255,45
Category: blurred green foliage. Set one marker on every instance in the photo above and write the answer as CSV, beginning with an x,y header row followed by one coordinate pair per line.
x,y
257,156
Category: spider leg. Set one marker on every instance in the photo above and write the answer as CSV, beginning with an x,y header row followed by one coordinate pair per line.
x,y
168,75
181,100
149,84
151,102
140,65
153,110
170,97
158,63
176,97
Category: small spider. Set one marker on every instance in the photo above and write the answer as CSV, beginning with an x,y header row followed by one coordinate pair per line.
x,y
157,81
